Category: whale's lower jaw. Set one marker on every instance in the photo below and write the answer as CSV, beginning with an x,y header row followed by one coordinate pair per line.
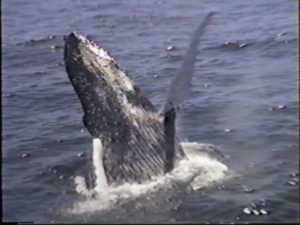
x,y
136,146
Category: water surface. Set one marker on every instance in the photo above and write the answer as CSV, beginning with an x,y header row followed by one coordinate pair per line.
x,y
244,98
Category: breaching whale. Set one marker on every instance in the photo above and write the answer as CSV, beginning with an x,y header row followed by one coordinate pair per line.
x,y
132,141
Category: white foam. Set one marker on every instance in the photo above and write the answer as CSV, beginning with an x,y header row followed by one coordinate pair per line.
x,y
81,188
196,171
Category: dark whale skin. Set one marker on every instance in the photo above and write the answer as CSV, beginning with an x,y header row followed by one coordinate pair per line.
x,y
136,144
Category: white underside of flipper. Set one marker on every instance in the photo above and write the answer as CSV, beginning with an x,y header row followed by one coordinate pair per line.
x,y
101,184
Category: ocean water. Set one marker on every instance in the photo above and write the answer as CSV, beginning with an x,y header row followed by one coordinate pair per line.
x,y
244,99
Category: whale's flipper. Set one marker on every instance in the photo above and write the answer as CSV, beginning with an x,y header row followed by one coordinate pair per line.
x,y
180,85
179,89
138,143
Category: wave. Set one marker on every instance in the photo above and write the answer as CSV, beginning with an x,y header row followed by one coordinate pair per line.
x,y
265,44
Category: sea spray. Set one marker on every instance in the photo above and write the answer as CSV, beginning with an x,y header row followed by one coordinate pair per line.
x,y
200,169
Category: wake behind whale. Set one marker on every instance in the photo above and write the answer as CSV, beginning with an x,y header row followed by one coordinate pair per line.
x,y
133,143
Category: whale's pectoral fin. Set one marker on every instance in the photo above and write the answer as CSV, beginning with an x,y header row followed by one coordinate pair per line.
x,y
178,91
169,124
181,83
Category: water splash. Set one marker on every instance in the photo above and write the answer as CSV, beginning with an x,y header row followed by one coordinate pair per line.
x,y
200,169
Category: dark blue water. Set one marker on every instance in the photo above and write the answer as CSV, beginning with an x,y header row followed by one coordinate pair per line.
x,y
246,83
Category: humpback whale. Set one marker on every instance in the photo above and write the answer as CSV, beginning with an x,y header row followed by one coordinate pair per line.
x,y
132,141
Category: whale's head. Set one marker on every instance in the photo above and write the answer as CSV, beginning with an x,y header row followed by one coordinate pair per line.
x,y
92,64
105,92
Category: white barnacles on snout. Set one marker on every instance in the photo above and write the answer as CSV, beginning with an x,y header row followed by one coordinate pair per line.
x,y
99,51
102,53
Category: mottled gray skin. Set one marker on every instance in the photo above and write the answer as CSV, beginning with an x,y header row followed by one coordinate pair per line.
x,y
137,145
138,142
